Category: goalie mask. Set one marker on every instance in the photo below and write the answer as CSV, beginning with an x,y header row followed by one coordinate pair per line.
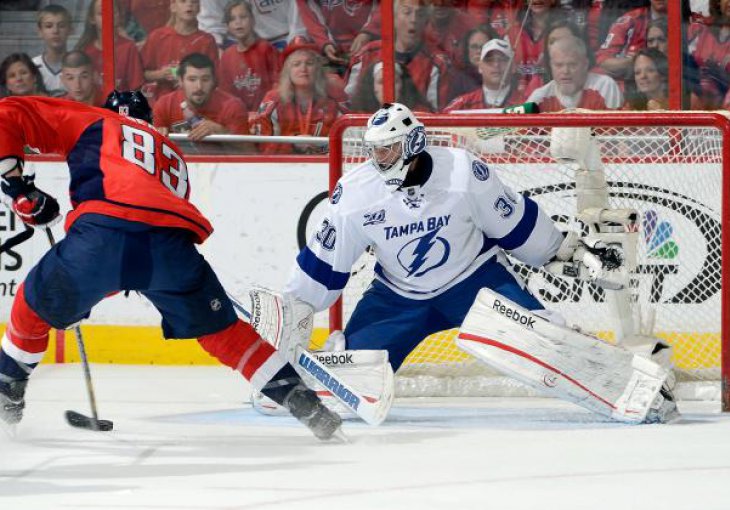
x,y
394,137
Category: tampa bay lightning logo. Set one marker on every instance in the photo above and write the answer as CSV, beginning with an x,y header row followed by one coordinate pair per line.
x,y
480,169
415,142
337,193
380,117
424,254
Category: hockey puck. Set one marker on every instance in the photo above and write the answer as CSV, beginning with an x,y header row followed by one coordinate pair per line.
x,y
80,421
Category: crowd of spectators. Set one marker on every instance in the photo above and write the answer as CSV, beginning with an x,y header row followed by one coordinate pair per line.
x,y
291,67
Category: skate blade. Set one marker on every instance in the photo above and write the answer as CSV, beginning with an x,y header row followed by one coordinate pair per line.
x,y
339,437
10,430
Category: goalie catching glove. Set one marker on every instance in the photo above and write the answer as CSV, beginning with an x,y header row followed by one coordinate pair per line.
x,y
33,206
587,258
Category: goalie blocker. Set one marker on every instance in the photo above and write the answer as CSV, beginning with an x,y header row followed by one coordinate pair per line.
x,y
348,382
564,363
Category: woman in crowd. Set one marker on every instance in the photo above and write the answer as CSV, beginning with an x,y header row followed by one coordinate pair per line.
x,y
647,89
369,95
466,71
299,106
127,61
250,68
19,76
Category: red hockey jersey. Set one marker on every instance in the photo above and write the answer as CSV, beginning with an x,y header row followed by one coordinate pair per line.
x,y
119,166
251,73
166,47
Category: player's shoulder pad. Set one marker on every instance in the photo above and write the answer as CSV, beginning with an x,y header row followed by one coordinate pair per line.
x,y
466,170
358,189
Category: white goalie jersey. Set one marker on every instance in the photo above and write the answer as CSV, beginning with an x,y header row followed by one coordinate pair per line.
x,y
426,238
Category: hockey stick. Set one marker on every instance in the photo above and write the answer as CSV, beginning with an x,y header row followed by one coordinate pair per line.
x,y
352,399
74,418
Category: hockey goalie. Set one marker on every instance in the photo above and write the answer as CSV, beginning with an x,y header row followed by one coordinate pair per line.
x,y
440,223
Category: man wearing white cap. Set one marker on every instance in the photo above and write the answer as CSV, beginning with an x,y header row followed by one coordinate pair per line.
x,y
499,86
572,85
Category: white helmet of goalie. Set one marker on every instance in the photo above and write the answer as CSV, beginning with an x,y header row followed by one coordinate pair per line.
x,y
394,137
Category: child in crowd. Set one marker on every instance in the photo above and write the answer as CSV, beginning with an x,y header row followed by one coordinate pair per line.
x,y
127,61
166,47
250,68
54,29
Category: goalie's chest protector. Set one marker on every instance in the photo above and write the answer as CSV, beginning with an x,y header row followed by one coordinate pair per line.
x,y
424,238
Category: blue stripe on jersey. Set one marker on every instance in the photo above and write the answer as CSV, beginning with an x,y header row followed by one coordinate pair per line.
x,y
524,228
14,369
320,271
87,179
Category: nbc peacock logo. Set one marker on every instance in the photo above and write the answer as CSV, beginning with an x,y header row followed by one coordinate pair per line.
x,y
659,237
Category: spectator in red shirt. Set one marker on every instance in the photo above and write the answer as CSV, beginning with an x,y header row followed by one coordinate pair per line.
x,y
572,85
148,14
527,38
446,27
127,61
299,106
427,67
499,84
710,49
500,15
339,28
80,79
197,107
166,46
626,37
250,68
369,95
648,88
19,76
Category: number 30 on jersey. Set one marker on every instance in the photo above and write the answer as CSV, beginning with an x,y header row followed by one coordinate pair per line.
x,y
138,147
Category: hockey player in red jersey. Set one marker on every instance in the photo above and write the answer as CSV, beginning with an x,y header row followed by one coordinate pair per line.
x,y
131,227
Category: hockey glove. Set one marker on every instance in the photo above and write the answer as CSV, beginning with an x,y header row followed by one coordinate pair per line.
x,y
33,206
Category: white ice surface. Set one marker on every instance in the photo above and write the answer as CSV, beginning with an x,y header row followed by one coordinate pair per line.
x,y
187,438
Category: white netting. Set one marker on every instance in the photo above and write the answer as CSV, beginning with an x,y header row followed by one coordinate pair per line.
x,y
671,175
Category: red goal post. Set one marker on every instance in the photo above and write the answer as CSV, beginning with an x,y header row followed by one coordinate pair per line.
x,y
670,166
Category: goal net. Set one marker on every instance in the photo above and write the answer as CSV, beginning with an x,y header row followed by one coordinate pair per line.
x,y
669,166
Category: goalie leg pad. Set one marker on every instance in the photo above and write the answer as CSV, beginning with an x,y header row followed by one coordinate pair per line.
x,y
367,371
560,361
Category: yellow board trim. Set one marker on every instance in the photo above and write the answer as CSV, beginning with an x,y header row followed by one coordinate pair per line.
x,y
144,345
134,345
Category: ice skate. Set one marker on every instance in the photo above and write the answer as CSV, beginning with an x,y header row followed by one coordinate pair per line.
x,y
306,407
12,401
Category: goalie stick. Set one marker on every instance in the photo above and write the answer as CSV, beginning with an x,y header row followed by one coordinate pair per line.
x,y
73,418
353,400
